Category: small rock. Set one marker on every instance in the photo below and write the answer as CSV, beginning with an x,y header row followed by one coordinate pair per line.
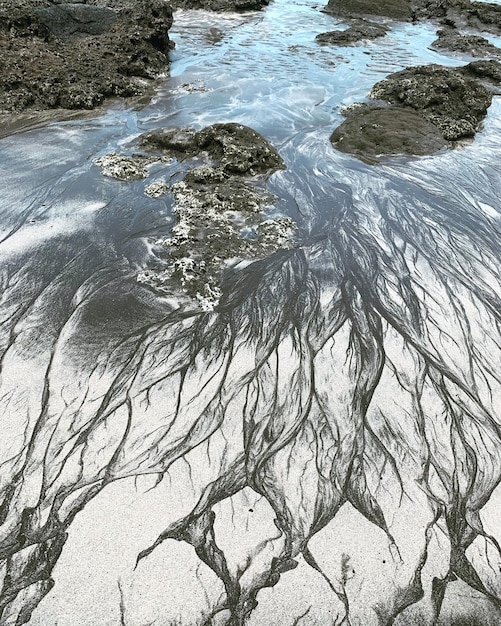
x,y
156,189
235,148
123,167
451,39
358,31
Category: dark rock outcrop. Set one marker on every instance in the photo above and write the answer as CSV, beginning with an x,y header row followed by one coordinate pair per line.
x,y
474,45
488,71
64,20
480,15
396,9
358,30
221,5
220,208
451,99
423,109
460,13
74,55
235,148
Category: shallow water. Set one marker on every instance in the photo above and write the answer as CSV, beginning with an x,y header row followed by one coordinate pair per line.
x,y
366,360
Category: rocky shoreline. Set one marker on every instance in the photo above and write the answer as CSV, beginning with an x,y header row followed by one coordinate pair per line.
x,y
70,56
457,13
419,110
64,58
73,56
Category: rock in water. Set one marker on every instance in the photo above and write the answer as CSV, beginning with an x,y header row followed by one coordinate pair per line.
x,y
426,109
396,9
220,207
449,98
357,31
236,148
239,149
475,45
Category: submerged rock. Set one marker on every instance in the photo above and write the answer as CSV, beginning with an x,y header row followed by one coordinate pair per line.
x,y
222,213
217,224
357,31
426,109
124,167
74,55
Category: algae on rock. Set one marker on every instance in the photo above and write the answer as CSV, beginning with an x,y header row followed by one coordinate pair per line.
x,y
124,167
220,221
